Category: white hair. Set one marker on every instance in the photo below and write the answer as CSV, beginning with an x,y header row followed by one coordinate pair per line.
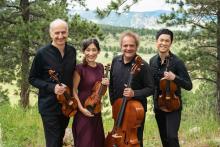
x,y
57,21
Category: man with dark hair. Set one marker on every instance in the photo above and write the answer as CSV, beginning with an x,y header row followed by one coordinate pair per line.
x,y
167,66
61,57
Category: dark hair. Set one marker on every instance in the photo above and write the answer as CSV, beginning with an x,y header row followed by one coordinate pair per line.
x,y
165,31
88,42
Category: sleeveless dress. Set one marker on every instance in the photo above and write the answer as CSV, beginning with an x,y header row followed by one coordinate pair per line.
x,y
88,131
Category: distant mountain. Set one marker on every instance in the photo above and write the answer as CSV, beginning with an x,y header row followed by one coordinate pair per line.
x,y
129,19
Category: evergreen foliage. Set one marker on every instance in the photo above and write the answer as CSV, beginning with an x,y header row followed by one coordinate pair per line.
x,y
24,28
202,53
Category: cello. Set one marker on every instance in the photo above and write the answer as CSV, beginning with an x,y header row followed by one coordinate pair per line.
x,y
168,101
93,102
128,116
69,103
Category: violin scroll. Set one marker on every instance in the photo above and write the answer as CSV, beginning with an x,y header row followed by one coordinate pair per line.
x,y
69,103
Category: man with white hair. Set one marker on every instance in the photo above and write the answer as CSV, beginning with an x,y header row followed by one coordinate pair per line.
x,y
61,57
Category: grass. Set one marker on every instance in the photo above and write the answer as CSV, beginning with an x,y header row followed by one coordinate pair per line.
x,y
13,94
20,128
23,128
199,126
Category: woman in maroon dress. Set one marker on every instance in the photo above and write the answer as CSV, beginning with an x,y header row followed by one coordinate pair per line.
x,y
88,128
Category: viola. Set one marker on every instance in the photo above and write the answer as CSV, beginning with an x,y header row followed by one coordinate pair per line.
x,y
93,102
128,115
69,103
168,101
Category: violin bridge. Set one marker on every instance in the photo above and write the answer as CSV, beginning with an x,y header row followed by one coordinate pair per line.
x,y
167,97
70,102
116,135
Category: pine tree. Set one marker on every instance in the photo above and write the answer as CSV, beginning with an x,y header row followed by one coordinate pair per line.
x,y
24,28
203,52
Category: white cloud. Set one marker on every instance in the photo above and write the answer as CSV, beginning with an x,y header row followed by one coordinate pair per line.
x,y
150,5
142,5
92,4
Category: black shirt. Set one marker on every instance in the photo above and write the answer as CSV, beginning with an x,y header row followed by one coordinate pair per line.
x,y
49,57
142,82
177,66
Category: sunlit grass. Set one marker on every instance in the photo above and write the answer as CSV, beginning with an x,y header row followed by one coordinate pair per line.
x,y
23,128
13,94
20,127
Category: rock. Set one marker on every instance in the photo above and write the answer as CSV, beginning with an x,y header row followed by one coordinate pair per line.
x,y
194,130
68,138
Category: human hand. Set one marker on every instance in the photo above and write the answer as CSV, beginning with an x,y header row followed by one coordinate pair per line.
x,y
59,90
169,75
128,92
86,112
105,81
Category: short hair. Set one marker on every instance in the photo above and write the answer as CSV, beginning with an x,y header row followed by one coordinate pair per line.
x,y
58,20
165,31
131,34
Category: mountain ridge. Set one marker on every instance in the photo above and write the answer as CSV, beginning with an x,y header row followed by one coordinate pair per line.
x,y
147,19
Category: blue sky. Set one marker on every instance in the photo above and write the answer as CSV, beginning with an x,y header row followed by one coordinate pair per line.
x,y
143,5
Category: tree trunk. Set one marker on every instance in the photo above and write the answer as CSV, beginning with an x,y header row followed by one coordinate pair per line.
x,y
218,63
24,95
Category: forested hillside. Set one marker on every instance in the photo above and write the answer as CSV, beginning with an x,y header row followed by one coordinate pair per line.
x,y
24,29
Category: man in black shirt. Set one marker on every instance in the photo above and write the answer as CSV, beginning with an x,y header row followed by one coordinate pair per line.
x,y
142,82
168,122
61,57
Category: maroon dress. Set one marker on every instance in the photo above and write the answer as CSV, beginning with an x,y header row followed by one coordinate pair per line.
x,y
88,131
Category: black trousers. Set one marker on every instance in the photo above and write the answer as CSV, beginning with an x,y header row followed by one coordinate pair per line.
x,y
168,124
54,129
140,131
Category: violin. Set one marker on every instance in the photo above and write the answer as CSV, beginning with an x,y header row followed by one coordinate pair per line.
x,y
128,115
69,103
93,102
168,101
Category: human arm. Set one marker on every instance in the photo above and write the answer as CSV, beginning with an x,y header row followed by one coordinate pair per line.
x,y
145,85
181,78
37,77
111,88
76,81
